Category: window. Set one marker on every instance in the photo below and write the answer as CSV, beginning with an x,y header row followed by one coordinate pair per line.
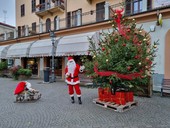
x,y
74,17
11,35
68,19
33,2
23,30
34,27
137,6
19,31
42,7
128,7
100,11
10,63
23,10
55,23
149,4
48,25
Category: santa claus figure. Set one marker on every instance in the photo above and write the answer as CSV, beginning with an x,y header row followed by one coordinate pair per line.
x,y
72,79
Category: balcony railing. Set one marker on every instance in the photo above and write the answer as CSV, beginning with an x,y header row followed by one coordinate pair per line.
x,y
80,19
49,7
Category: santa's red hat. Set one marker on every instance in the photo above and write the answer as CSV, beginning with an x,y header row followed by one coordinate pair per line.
x,y
70,58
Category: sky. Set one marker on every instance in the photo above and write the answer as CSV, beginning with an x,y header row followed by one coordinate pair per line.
x,y
7,12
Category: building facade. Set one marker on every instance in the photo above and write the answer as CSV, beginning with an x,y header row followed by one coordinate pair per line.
x,y
72,22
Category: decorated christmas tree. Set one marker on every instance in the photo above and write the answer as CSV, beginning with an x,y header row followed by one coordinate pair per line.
x,y
123,57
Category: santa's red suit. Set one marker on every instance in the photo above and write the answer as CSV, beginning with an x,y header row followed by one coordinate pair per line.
x,y
72,79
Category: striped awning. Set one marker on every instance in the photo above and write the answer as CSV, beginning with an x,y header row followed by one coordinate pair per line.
x,y
3,51
19,50
76,44
42,48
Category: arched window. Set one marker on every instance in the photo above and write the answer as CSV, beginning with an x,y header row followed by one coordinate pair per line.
x,y
55,23
48,25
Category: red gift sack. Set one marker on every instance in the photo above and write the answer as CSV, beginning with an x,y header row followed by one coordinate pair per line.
x,y
20,87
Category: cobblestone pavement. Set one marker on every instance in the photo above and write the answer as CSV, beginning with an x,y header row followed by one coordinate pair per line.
x,y
54,110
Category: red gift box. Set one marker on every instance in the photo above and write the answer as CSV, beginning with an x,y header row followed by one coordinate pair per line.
x,y
100,93
106,98
112,98
129,96
121,98
120,95
120,101
107,91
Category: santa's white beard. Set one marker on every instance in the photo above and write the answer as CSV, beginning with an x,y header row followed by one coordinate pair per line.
x,y
71,67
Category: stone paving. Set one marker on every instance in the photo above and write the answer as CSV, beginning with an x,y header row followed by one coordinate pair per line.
x,y
54,110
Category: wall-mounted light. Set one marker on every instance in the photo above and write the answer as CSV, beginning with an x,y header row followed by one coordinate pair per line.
x,y
152,28
159,19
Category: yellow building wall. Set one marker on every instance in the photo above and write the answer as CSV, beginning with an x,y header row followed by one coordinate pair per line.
x,y
71,5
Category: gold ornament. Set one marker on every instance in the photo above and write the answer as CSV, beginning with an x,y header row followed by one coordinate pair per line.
x,y
155,46
144,39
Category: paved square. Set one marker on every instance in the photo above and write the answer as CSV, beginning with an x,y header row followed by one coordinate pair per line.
x,y
54,110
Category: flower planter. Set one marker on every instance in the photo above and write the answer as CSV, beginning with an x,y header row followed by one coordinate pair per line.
x,y
23,77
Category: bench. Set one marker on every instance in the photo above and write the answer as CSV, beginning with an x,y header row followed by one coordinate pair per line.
x,y
165,85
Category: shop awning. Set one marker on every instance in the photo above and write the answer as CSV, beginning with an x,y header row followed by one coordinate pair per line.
x,y
3,51
19,50
75,44
42,48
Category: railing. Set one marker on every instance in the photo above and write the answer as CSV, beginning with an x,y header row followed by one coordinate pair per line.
x,y
81,19
47,6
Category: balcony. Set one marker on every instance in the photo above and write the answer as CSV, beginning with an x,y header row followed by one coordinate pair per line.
x,y
50,8
90,1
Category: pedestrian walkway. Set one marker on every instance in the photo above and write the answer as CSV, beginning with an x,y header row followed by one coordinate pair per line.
x,y
54,109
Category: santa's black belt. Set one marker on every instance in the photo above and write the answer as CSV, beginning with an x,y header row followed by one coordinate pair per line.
x,y
73,77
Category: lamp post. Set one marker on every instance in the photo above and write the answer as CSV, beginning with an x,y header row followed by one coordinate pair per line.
x,y
52,35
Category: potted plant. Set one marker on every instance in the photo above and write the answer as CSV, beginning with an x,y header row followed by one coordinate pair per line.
x,y
3,68
24,74
19,73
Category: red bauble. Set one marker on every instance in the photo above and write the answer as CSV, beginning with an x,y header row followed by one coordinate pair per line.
x,y
116,40
124,44
136,57
128,30
103,49
128,68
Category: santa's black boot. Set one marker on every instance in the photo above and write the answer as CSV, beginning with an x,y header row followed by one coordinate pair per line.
x,y
72,100
79,100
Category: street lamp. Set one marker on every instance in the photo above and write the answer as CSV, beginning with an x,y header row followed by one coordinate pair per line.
x,y
52,35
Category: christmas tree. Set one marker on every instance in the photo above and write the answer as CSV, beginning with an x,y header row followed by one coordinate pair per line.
x,y
123,57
